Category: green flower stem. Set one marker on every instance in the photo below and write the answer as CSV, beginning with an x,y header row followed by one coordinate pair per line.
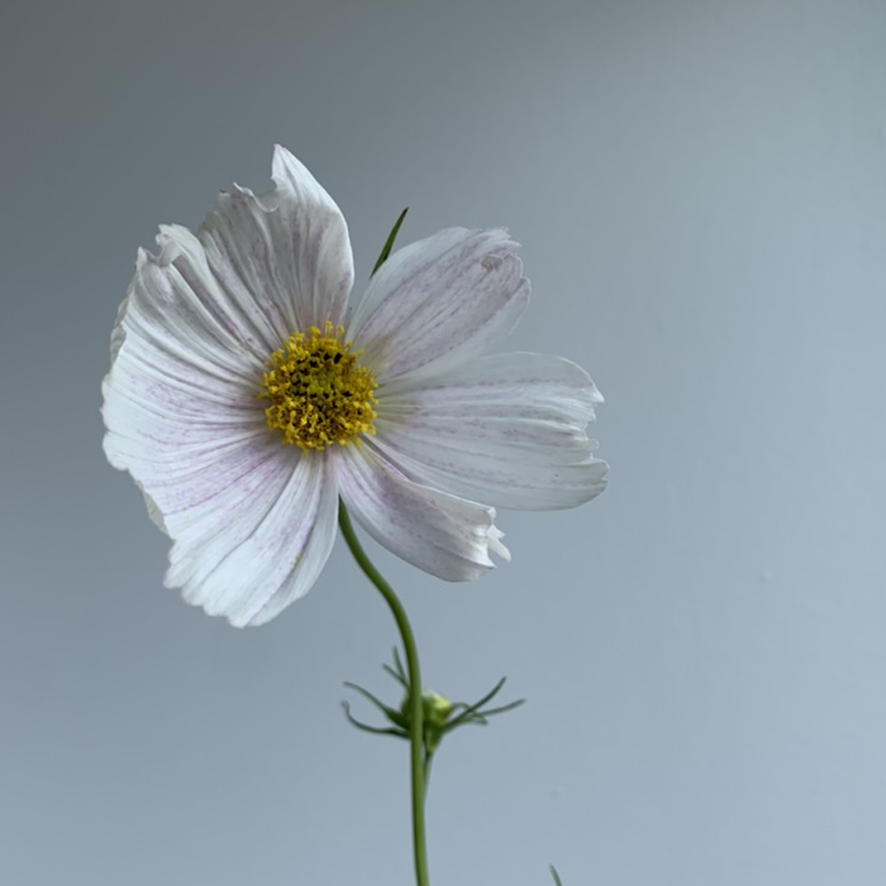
x,y
416,718
427,770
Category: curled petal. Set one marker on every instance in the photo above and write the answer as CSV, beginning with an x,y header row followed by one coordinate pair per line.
x,y
440,533
439,302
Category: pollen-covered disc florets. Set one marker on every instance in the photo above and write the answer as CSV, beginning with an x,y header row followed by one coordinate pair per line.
x,y
319,393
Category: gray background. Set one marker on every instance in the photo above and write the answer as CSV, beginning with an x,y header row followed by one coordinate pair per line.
x,y
699,188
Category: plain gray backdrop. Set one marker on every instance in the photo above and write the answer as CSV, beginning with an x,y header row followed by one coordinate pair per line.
x,y
699,190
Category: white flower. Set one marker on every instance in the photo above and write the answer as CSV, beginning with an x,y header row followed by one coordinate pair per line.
x,y
244,400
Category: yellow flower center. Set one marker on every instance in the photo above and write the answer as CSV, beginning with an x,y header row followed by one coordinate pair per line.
x,y
319,393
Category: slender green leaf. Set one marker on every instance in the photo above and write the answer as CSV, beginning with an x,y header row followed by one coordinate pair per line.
x,y
389,243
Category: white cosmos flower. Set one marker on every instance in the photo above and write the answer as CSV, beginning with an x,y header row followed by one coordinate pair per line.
x,y
244,399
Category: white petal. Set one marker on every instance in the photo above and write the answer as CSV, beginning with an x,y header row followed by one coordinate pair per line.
x,y
496,545
179,384
174,416
444,535
187,329
228,498
439,302
258,542
284,259
508,429
251,313
252,523
322,258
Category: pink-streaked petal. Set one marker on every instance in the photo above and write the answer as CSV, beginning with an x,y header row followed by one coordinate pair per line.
x,y
442,534
440,302
256,542
171,396
322,258
252,522
221,492
284,259
508,429
180,327
250,312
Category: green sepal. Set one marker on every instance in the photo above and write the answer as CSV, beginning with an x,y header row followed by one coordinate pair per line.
x,y
439,715
473,714
394,716
397,672
375,730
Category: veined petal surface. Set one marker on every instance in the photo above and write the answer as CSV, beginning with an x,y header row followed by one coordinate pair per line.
x,y
508,429
180,382
323,262
169,311
439,302
442,534
252,521
283,260
259,543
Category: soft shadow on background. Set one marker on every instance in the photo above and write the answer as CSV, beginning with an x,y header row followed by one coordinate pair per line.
x,y
699,188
